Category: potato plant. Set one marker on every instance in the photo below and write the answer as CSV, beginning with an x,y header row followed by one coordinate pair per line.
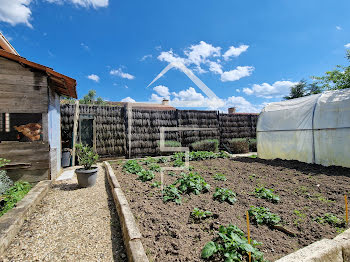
x,y
199,214
132,166
262,215
265,193
154,167
231,245
145,175
171,193
192,183
331,219
225,195
220,177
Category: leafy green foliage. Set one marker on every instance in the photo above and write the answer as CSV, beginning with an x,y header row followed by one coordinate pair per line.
x,y
150,160
4,162
252,144
339,78
222,154
13,195
178,163
132,166
262,215
163,159
331,219
171,193
145,175
231,245
86,156
156,184
202,155
211,145
199,214
90,99
220,177
264,193
224,194
154,167
192,183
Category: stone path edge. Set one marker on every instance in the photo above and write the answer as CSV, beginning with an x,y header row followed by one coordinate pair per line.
x,y
12,221
131,234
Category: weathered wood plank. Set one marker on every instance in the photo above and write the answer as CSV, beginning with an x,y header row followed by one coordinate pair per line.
x,y
35,79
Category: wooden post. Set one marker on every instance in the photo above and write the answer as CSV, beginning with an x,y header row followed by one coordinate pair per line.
x,y
75,129
94,135
346,209
249,254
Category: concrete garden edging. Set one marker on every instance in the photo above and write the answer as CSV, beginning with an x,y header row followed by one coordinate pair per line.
x,y
12,221
325,250
131,234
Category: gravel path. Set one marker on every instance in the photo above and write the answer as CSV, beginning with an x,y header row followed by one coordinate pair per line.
x,y
71,224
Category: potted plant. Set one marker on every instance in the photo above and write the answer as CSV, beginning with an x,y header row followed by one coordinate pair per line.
x,y
87,158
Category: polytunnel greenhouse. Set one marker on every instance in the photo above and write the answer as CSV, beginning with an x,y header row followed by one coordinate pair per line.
x,y
312,129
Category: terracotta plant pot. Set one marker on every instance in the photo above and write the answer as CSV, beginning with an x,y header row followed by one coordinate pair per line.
x,y
86,178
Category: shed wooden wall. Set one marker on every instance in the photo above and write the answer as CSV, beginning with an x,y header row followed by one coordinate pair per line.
x,y
25,91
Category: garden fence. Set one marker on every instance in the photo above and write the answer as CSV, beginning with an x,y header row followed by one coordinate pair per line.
x,y
112,128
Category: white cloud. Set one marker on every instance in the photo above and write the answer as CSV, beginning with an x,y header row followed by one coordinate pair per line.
x,y
347,45
145,57
94,77
235,51
15,12
171,57
190,98
156,98
84,3
242,105
236,74
120,73
128,99
84,46
198,54
238,91
338,28
215,68
162,90
277,89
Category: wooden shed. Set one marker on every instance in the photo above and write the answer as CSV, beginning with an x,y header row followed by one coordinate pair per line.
x,y
30,133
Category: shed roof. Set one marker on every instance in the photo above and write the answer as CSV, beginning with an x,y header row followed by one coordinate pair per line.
x,y
62,84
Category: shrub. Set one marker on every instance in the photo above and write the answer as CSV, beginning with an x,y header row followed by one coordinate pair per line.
x,y
211,145
238,146
224,194
265,193
231,245
86,156
13,195
252,144
262,215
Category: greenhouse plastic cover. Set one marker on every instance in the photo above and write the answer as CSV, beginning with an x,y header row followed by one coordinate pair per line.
x,y
311,129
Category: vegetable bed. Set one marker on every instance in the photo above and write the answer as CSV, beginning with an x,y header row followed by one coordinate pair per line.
x,y
291,205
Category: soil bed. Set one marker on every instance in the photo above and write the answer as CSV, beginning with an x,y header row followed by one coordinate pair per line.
x,y
306,192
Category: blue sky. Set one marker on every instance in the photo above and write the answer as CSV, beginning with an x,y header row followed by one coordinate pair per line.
x,y
247,52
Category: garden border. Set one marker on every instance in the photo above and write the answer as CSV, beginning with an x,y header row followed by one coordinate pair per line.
x,y
12,221
131,233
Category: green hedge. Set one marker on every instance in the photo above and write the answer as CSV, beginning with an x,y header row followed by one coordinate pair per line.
x,y
206,145
238,145
252,144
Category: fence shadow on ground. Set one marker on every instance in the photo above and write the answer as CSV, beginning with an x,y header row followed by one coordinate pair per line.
x,y
116,232
311,169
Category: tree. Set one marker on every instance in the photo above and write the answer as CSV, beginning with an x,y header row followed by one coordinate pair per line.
x,y
89,99
298,90
339,78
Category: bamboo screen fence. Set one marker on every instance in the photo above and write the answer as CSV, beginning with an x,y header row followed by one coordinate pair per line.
x,y
112,128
